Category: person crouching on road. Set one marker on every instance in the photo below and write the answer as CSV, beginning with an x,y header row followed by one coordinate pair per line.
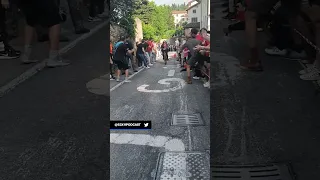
x,y
120,58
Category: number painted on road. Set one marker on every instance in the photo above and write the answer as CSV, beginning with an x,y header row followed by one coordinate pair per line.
x,y
167,81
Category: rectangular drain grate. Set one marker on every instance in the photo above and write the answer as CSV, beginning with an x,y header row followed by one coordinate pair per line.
x,y
183,165
268,172
187,119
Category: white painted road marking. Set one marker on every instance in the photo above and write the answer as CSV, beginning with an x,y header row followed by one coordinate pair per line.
x,y
99,86
170,144
167,81
171,72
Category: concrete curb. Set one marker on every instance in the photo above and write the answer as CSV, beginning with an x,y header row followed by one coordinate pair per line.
x,y
40,66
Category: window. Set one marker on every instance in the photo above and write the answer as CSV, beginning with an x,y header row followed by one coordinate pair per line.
x,y
193,20
194,11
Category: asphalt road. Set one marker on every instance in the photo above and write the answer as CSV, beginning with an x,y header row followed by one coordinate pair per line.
x,y
52,127
134,154
261,118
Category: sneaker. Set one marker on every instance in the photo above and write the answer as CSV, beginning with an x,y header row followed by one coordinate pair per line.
x,y
311,76
94,19
307,70
275,51
207,84
56,62
196,77
148,67
112,78
118,79
127,80
297,55
9,53
150,64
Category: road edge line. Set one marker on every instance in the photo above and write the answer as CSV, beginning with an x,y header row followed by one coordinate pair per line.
x,y
41,65
122,82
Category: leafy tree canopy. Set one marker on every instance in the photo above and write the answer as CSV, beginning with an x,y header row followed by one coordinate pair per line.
x,y
158,22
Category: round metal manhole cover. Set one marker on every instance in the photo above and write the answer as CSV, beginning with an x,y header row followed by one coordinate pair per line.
x,y
183,166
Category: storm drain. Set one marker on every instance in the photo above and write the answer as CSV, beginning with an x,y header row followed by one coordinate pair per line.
x,y
270,172
183,166
187,119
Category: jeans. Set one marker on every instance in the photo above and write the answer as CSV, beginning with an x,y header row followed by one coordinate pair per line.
x,y
151,57
75,14
143,59
148,57
3,31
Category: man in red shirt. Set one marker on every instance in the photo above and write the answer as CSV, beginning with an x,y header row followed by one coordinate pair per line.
x,y
202,56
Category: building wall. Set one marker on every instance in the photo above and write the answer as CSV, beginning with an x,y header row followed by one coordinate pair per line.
x,y
178,18
193,15
205,8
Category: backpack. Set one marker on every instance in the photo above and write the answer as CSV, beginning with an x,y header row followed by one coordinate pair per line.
x,y
115,47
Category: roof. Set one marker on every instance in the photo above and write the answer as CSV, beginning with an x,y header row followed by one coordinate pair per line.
x,y
193,25
179,12
192,6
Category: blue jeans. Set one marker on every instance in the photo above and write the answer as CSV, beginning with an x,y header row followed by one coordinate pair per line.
x,y
143,59
151,57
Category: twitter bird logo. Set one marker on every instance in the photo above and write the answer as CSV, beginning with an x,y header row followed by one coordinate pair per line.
x,y
146,125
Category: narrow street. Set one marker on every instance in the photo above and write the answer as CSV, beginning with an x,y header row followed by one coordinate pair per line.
x,y
265,118
52,127
134,154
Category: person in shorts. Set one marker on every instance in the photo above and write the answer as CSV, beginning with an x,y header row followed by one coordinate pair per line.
x,y
120,58
191,43
46,14
256,8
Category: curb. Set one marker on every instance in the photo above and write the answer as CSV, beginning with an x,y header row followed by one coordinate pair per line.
x,y
40,66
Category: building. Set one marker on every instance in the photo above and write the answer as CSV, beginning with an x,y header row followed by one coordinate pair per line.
x,y
179,17
198,14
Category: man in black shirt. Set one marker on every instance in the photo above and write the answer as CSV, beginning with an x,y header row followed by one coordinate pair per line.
x,y
141,54
131,56
120,58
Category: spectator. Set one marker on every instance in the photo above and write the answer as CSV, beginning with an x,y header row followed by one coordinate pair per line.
x,y
141,54
6,51
44,13
262,7
149,51
165,49
111,62
120,58
131,56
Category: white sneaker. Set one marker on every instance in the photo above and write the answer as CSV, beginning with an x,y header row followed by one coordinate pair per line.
x,y
118,79
150,64
127,80
26,60
148,67
311,76
196,77
275,51
56,62
307,70
207,84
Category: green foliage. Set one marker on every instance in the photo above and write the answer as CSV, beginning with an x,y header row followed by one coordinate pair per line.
x,y
158,22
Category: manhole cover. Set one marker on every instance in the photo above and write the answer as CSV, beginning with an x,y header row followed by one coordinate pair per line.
x,y
187,119
269,172
183,166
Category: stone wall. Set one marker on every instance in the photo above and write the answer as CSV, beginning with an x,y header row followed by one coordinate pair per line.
x,y
115,32
139,32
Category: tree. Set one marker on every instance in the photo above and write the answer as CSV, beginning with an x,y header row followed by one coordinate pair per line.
x,y
158,22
